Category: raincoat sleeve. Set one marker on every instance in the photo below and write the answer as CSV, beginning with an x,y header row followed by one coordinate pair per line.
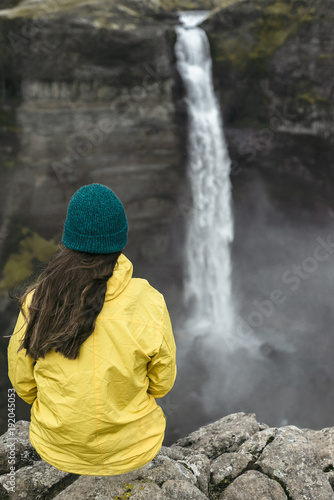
x,y
162,367
21,366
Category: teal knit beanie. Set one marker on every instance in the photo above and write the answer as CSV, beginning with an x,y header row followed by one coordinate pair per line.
x,y
96,221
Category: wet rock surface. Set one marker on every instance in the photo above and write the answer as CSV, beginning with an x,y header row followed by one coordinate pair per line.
x,y
253,484
24,453
268,464
91,94
291,459
225,435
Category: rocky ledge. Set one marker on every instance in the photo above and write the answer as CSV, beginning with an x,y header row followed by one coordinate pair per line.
x,y
234,458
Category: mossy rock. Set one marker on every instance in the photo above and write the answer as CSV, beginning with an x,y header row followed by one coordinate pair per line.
x,y
180,5
264,28
8,4
101,13
19,266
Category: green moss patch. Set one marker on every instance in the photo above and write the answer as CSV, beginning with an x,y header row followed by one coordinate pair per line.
x,y
20,265
312,98
127,493
35,10
265,33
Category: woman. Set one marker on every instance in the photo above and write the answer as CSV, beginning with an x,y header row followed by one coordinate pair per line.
x,y
93,348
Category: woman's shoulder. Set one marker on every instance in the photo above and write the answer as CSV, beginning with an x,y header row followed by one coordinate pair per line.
x,y
27,300
150,302
145,290
139,301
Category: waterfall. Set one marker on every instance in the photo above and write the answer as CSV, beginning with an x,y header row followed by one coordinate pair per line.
x,y
209,222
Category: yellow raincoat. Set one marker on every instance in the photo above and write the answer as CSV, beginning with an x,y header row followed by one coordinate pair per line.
x,y
97,414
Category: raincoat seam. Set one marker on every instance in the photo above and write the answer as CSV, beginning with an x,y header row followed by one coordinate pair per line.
x,y
16,354
169,348
162,314
96,405
131,321
15,368
161,330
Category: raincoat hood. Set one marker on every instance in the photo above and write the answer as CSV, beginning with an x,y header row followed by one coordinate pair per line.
x,y
121,277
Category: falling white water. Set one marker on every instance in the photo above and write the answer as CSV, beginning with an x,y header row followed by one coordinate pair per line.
x,y
209,221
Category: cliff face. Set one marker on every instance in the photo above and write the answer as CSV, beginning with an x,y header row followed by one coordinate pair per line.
x,y
273,65
91,93
92,102
234,458
88,97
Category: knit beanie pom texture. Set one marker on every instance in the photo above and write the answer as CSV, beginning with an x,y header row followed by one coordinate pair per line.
x,y
96,221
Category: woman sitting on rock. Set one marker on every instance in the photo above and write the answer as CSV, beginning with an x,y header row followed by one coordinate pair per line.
x,y
93,348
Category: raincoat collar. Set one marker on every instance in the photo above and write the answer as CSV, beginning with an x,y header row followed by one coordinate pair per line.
x,y
121,277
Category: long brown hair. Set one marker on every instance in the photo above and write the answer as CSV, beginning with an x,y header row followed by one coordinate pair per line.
x,y
66,301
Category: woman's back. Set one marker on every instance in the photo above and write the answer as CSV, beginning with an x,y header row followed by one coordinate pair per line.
x,y
96,414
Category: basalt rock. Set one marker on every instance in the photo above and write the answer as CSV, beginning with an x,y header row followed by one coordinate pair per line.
x,y
268,464
90,93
